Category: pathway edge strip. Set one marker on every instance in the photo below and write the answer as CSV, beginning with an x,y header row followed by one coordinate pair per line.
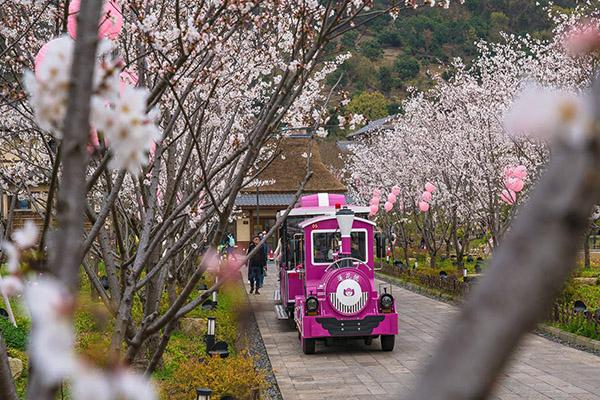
x,y
546,331
259,350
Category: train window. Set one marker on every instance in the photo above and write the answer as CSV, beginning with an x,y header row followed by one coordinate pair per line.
x,y
326,243
359,245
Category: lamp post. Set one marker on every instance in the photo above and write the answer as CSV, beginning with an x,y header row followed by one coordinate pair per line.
x,y
257,210
214,293
210,333
203,394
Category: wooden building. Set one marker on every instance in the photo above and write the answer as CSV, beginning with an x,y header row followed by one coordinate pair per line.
x,y
284,175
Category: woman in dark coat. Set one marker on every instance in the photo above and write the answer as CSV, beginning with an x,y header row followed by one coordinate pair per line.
x,y
255,266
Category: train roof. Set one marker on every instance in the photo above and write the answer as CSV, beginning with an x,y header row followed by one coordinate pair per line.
x,y
314,220
317,211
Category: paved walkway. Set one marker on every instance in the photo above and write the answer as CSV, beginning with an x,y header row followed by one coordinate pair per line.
x,y
542,369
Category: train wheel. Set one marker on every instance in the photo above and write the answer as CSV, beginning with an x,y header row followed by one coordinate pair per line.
x,y
308,346
369,340
387,342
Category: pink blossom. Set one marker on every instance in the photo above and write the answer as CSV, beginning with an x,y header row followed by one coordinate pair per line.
x,y
424,206
11,286
13,256
583,39
211,260
27,236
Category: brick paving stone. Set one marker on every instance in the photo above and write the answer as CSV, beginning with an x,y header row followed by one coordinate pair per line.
x,y
541,369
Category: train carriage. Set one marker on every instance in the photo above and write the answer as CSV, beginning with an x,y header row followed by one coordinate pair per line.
x,y
326,274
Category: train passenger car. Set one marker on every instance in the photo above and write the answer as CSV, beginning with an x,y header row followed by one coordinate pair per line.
x,y
326,275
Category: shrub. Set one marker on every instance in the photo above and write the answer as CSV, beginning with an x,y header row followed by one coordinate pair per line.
x,y
235,376
372,105
15,337
407,67
372,50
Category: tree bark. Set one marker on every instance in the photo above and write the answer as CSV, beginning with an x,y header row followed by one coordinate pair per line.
x,y
586,249
65,253
7,385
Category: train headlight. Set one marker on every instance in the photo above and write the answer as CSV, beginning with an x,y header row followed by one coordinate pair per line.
x,y
312,304
386,301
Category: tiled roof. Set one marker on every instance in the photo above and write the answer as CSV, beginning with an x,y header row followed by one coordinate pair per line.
x,y
371,127
264,199
286,173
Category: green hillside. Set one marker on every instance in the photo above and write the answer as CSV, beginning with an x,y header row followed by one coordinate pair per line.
x,y
389,56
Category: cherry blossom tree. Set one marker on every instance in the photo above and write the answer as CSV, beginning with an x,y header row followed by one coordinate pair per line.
x,y
459,136
147,136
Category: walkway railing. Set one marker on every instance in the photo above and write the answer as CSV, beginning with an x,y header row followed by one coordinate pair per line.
x,y
576,320
448,284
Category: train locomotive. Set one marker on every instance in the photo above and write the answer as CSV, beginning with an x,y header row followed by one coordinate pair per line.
x,y
327,278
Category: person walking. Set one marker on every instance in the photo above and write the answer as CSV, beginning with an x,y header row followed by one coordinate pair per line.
x,y
255,266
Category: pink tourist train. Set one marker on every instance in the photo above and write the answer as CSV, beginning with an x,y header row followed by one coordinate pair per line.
x,y
327,278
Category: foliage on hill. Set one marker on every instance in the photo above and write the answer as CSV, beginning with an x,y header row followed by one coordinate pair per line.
x,y
388,56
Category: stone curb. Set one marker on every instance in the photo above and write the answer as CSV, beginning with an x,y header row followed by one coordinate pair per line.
x,y
565,338
580,341
257,348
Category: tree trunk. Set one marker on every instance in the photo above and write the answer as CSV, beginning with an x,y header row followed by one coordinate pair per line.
x,y
7,386
586,250
65,256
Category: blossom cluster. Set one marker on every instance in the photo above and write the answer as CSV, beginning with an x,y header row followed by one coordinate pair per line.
x,y
119,111
464,132
52,338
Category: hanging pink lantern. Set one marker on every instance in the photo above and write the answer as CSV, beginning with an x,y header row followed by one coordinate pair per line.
x,y
520,172
424,206
110,24
430,187
54,44
391,198
374,208
388,206
396,190
426,196
514,184
127,78
508,196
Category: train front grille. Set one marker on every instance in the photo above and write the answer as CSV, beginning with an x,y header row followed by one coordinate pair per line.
x,y
349,309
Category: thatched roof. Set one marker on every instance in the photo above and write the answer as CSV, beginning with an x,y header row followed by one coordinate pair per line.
x,y
289,169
